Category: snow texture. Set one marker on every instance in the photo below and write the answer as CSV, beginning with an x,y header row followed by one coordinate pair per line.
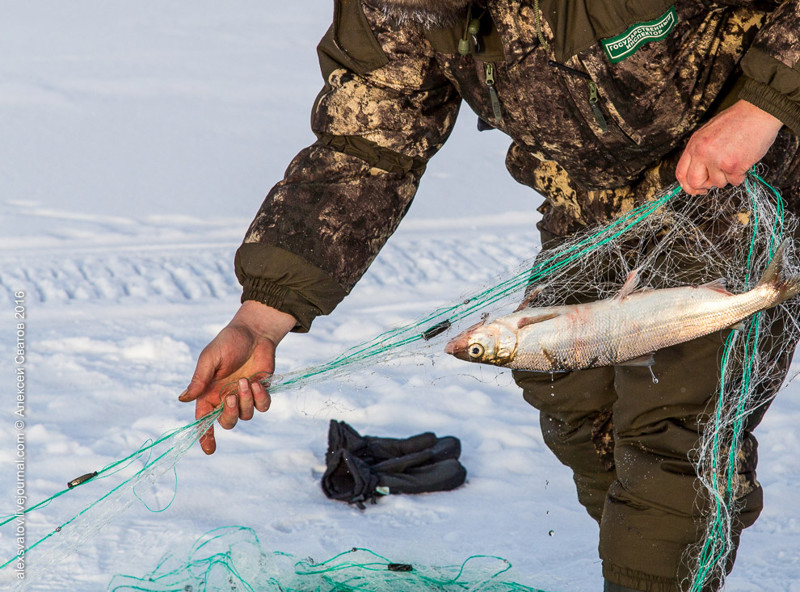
x,y
136,142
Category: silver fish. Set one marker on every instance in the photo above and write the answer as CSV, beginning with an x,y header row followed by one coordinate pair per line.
x,y
625,329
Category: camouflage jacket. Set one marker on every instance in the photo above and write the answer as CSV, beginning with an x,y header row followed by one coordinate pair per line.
x,y
594,95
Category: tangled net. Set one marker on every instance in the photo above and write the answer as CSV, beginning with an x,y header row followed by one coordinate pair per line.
x,y
674,240
233,559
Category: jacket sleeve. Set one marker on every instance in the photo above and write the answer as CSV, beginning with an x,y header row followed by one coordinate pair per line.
x,y
772,66
384,111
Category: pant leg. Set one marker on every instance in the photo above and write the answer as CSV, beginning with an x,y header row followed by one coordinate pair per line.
x,y
655,513
651,516
575,417
644,497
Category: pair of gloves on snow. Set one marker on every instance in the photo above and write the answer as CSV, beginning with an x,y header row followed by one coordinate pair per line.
x,y
361,468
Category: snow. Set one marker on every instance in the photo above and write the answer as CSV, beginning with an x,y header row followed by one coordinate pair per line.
x,y
137,140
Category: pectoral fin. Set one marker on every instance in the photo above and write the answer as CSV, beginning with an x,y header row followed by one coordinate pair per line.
x,y
645,360
526,303
717,285
533,319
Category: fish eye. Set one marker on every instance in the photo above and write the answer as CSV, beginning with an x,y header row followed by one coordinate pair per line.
x,y
475,350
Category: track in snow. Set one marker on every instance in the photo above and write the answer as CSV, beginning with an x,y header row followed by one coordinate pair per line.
x,y
174,274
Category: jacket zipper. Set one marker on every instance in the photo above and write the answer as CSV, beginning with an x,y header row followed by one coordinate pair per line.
x,y
497,110
594,97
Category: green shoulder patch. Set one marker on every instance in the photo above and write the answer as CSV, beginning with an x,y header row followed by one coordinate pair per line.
x,y
626,44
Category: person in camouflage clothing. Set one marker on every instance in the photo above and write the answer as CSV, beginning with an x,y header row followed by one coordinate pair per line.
x,y
607,104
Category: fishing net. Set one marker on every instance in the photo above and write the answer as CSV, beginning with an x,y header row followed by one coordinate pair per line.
x,y
233,559
46,556
673,240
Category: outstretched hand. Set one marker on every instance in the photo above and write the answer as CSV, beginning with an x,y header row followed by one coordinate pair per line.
x,y
723,150
230,368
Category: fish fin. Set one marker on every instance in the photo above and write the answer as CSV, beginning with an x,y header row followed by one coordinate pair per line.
x,y
717,285
787,288
773,273
645,360
631,282
740,326
480,323
532,320
529,298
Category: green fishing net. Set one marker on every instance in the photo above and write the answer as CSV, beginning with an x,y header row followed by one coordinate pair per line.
x,y
233,559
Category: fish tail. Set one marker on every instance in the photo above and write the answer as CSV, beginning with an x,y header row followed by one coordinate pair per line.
x,y
773,277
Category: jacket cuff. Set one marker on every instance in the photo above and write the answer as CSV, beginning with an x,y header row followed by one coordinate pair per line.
x,y
767,98
772,86
282,280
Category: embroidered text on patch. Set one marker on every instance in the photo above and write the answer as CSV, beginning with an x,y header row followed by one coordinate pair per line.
x,y
620,47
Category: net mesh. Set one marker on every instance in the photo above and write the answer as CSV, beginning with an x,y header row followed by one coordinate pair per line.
x,y
673,240
233,559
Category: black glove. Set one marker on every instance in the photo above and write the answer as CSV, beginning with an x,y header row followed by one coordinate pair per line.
x,y
359,468
348,478
372,449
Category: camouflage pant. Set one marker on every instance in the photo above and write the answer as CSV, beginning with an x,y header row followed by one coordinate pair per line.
x,y
628,440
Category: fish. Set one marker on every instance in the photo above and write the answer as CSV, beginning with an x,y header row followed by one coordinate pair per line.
x,y
626,329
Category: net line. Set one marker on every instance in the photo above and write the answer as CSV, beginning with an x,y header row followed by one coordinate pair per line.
x,y
157,458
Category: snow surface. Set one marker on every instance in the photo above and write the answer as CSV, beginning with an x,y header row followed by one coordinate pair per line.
x,y
136,142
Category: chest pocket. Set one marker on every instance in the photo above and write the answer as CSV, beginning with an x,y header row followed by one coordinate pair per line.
x,y
579,24
350,42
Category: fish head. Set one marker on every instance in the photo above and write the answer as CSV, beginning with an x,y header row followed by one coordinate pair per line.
x,y
493,343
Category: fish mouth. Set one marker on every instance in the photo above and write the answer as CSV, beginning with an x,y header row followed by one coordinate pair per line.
x,y
458,346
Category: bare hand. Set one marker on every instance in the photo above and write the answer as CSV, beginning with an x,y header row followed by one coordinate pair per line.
x,y
723,150
229,369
